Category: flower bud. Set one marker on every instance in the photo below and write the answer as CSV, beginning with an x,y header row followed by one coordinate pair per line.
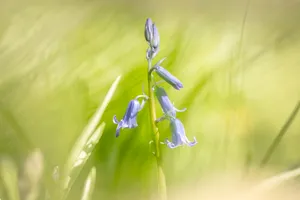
x,y
168,77
155,39
148,30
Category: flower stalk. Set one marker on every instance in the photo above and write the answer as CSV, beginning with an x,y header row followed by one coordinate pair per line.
x,y
129,119
162,189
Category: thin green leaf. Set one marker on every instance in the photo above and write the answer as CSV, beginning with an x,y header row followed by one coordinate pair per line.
x,y
89,185
9,175
82,158
87,132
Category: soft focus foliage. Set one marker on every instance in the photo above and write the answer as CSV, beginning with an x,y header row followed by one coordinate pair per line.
x,y
241,82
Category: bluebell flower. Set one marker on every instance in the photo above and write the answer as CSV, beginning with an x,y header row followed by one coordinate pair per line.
x,y
148,30
168,77
129,119
165,103
178,135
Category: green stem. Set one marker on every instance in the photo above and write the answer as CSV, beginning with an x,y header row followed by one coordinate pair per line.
x,y
162,189
280,135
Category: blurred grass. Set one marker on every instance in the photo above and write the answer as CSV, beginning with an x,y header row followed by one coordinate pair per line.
x,y
89,185
58,59
9,176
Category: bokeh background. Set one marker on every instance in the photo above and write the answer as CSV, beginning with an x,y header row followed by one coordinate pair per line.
x,y
238,60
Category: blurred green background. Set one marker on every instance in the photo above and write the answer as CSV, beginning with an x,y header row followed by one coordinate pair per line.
x,y
238,60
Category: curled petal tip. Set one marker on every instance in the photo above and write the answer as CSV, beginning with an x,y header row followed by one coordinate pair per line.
x,y
115,120
171,145
195,140
193,143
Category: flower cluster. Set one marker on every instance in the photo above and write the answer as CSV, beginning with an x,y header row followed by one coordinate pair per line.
x,y
129,120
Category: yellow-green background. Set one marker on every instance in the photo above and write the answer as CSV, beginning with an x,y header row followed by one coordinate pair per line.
x,y
240,74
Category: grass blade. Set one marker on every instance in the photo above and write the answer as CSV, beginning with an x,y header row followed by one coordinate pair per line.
x,y
89,185
280,135
91,126
86,143
82,158
274,181
9,175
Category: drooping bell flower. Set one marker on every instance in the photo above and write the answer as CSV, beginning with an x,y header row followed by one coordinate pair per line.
x,y
129,118
178,135
168,108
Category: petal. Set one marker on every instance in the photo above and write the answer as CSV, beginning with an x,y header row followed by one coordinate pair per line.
x,y
164,101
132,110
148,54
170,144
156,39
128,111
119,127
186,141
122,124
193,143
177,128
132,123
148,30
115,120
178,133
129,119
135,108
